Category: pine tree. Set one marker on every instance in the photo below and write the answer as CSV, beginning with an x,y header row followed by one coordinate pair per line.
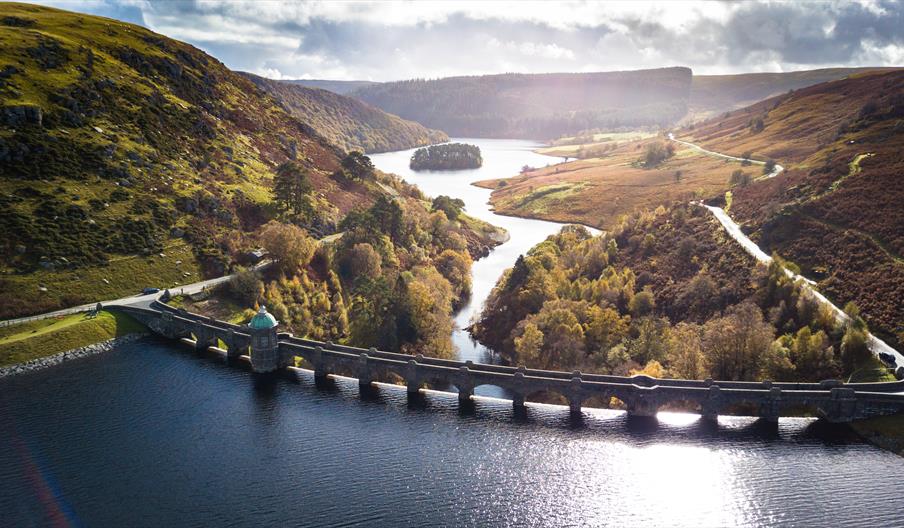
x,y
291,187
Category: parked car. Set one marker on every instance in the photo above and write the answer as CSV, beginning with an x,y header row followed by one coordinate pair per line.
x,y
148,291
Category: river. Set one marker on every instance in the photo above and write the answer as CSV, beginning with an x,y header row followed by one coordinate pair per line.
x,y
501,158
154,435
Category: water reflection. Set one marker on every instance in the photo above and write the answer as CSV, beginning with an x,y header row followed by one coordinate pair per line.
x,y
150,435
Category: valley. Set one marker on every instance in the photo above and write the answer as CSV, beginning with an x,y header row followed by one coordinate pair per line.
x,y
428,264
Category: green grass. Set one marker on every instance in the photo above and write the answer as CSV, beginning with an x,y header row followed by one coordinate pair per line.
x,y
124,276
539,200
36,339
871,371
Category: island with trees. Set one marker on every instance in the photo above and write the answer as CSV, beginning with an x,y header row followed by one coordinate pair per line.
x,y
448,156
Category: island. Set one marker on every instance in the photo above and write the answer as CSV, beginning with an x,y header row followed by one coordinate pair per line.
x,y
448,156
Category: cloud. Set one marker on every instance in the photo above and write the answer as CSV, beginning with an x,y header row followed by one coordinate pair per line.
x,y
398,40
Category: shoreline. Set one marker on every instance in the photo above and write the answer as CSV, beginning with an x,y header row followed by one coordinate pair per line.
x,y
69,355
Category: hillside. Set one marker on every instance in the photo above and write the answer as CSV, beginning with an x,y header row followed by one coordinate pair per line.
x,y
348,122
665,293
537,106
836,211
713,94
339,87
128,160
610,183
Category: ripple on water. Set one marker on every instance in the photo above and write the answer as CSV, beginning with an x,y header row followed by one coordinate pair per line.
x,y
154,435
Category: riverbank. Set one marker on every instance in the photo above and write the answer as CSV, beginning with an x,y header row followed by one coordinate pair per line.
x,y
35,342
884,432
69,355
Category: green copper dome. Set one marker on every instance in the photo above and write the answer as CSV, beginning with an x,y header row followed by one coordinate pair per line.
x,y
262,320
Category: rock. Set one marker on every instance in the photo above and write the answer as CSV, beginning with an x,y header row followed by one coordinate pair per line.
x,y
105,281
21,115
98,129
49,361
177,232
42,289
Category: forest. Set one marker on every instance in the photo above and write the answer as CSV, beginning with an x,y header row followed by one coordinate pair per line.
x,y
537,106
347,122
391,280
448,156
660,294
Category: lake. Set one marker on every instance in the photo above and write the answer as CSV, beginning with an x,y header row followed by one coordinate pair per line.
x,y
152,434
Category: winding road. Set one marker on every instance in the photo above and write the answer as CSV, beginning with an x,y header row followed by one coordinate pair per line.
x,y
734,231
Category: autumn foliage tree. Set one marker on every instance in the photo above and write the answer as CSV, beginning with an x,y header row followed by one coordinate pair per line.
x,y
289,245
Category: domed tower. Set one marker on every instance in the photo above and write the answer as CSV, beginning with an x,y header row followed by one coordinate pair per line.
x,y
264,343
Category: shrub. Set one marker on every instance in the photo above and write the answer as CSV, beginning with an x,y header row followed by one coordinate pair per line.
x,y
739,177
656,152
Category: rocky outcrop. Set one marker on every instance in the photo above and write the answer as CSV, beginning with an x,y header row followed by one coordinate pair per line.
x,y
56,359
21,115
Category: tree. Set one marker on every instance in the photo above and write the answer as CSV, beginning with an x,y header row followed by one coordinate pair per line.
x,y
605,328
291,187
455,266
757,125
812,356
656,152
734,344
651,342
357,166
739,177
685,352
387,217
854,349
745,158
776,363
642,303
528,345
652,369
451,206
769,166
246,286
678,175
360,260
289,245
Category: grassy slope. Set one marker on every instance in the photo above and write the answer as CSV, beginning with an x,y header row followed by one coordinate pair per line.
x,y
349,123
141,135
27,341
598,191
129,111
713,94
818,133
570,146
339,87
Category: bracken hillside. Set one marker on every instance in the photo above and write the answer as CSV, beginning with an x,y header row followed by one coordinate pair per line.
x,y
836,211
128,159
349,123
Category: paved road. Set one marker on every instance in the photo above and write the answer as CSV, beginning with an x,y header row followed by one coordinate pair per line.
x,y
132,300
735,232
775,172
187,289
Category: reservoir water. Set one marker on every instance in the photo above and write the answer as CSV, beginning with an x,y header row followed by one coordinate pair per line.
x,y
155,435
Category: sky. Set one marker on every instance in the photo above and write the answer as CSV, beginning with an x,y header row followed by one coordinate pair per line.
x,y
386,41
